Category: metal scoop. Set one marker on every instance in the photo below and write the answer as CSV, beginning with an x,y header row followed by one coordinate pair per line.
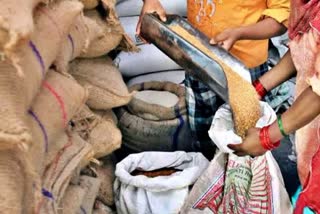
x,y
192,59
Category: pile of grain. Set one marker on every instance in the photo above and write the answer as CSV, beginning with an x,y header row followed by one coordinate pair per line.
x,y
243,98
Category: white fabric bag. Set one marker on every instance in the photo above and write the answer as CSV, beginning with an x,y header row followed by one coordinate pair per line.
x,y
133,7
233,184
159,195
148,60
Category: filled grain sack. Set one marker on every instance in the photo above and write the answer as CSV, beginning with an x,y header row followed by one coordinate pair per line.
x,y
83,31
106,87
175,76
139,134
159,194
57,175
100,131
235,184
33,59
72,199
92,186
113,36
158,100
20,186
133,7
90,4
16,22
150,59
59,99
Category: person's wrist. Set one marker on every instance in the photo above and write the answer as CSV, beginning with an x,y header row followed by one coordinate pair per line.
x,y
275,134
240,33
266,140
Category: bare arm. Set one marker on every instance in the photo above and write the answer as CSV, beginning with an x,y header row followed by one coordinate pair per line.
x,y
303,111
280,73
265,29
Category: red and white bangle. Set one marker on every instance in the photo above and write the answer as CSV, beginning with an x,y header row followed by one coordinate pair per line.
x,y
260,89
265,139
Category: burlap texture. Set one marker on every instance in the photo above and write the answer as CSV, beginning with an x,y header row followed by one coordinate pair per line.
x,y
16,22
58,174
72,199
101,132
33,59
157,112
92,185
58,100
106,87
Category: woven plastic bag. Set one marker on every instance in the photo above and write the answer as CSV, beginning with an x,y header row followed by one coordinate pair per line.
x,y
162,194
233,184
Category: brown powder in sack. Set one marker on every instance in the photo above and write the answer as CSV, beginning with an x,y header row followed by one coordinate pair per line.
x,y
156,173
243,98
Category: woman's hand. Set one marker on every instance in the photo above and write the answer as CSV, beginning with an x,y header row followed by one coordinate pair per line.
x,y
250,146
151,6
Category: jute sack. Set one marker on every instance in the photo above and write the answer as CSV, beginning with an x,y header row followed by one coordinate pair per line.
x,y
19,184
111,38
147,135
34,59
175,76
72,199
104,82
76,42
150,109
57,175
101,132
90,4
106,174
92,185
16,22
58,100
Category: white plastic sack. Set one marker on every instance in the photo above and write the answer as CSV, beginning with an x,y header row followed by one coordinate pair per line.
x,y
233,184
149,60
129,25
133,7
222,128
164,76
159,195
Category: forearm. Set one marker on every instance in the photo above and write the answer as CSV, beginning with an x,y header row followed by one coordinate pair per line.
x,y
265,29
303,111
283,71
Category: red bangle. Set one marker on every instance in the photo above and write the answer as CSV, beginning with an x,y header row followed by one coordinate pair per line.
x,y
260,89
265,139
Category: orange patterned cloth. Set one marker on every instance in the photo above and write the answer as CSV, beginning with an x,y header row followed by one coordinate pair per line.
x,y
214,16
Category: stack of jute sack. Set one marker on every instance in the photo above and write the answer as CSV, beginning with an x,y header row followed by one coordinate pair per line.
x,y
153,65
43,146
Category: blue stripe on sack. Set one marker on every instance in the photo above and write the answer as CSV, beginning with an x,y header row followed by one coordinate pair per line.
x,y
72,44
176,133
39,58
47,194
83,210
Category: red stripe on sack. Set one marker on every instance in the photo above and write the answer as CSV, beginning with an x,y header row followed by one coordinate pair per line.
x,y
60,101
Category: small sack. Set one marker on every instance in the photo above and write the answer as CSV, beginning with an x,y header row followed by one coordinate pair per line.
x,y
100,131
106,87
235,184
140,135
150,108
162,194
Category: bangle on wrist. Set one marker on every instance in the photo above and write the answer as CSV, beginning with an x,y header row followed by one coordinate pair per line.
x,y
260,89
280,125
265,141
